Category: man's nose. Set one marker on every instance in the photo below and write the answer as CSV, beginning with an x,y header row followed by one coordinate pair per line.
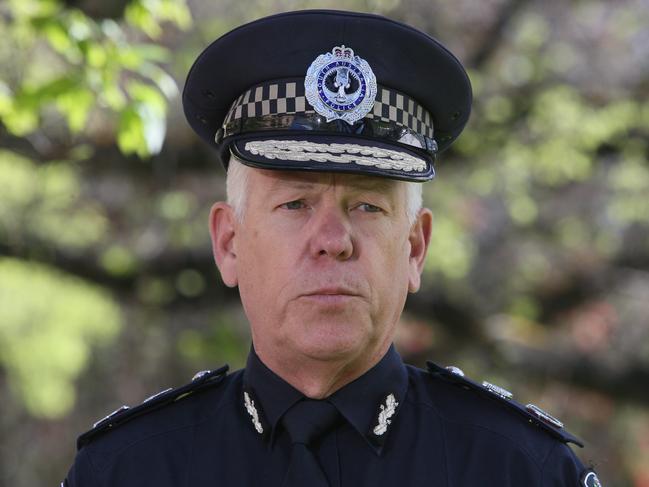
x,y
332,234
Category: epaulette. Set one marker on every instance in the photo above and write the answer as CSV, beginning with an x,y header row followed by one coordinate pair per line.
x,y
201,380
533,414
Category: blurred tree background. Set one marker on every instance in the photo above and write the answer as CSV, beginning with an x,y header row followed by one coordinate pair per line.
x,y
538,273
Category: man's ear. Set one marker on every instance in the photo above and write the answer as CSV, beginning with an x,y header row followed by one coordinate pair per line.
x,y
419,239
222,230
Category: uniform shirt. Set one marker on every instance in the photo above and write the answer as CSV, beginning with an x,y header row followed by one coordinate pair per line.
x,y
435,431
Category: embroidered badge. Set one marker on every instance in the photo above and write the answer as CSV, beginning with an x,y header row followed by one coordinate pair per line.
x,y
387,411
252,411
590,479
340,85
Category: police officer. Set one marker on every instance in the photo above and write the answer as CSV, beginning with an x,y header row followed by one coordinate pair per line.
x,y
327,123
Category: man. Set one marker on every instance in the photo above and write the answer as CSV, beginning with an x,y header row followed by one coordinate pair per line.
x,y
327,123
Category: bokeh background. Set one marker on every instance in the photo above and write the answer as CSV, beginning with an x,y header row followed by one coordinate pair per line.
x,y
538,272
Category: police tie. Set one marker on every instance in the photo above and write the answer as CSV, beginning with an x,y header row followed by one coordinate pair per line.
x,y
305,422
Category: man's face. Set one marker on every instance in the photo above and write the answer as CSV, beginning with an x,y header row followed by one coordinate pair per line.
x,y
323,262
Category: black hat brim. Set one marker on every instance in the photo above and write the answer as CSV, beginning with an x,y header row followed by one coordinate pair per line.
x,y
333,153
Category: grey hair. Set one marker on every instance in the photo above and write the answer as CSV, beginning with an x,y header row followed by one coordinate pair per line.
x,y
236,185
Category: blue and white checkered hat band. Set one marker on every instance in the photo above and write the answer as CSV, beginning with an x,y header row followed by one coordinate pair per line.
x,y
288,97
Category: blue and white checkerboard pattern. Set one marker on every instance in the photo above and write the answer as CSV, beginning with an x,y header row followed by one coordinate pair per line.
x,y
288,97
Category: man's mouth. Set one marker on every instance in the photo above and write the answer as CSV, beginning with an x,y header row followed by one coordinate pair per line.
x,y
331,295
332,291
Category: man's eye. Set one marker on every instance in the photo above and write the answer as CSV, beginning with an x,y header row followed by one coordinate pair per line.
x,y
370,208
293,205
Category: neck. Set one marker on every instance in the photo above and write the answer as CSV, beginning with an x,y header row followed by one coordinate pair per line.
x,y
319,378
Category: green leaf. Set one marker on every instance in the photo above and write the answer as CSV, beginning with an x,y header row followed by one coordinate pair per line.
x,y
57,35
141,130
146,52
147,15
151,109
130,132
20,121
80,27
96,55
34,8
76,105
147,95
139,16
111,93
165,83
155,127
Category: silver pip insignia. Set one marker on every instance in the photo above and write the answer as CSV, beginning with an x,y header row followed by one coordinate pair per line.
x,y
548,418
340,85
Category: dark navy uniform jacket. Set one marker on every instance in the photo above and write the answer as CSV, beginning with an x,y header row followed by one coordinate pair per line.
x,y
439,430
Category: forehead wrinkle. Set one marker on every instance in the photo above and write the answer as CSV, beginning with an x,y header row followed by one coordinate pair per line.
x,y
302,181
364,182
297,180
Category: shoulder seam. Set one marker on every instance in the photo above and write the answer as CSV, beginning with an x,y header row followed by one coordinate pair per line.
x,y
92,468
124,414
171,430
547,459
561,434
447,420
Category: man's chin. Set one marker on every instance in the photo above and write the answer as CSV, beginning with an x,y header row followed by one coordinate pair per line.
x,y
333,342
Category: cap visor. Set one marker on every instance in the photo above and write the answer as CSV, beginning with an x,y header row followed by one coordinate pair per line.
x,y
326,153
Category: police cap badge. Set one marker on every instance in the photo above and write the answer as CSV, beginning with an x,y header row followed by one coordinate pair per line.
x,y
324,90
339,85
